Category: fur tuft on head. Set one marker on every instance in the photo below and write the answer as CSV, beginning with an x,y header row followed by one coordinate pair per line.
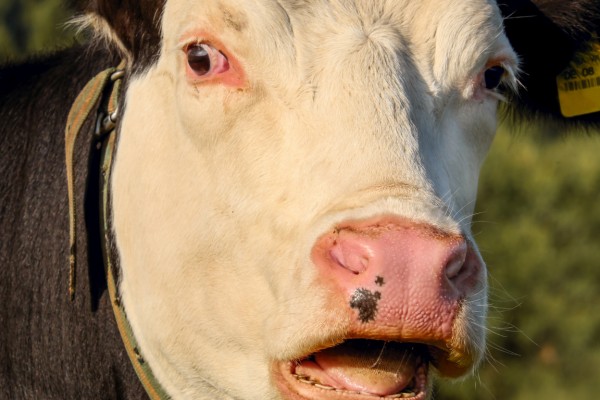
x,y
133,26
101,33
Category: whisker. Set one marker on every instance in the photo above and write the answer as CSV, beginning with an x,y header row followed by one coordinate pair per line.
x,y
380,355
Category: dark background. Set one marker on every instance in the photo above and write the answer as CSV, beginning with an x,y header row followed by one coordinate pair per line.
x,y
538,227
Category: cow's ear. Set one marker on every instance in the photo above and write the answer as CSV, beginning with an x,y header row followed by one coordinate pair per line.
x,y
132,25
548,35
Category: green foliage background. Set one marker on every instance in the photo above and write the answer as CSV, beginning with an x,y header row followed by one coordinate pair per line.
x,y
539,230
538,227
28,26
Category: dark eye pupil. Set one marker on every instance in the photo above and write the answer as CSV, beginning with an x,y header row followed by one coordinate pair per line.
x,y
493,77
198,59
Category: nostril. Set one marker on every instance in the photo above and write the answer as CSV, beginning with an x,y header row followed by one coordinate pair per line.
x,y
464,269
350,254
456,265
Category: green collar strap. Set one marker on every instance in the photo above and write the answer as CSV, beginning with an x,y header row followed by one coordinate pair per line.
x,y
86,101
103,91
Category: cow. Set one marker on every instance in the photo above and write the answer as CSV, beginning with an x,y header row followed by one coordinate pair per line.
x,y
284,209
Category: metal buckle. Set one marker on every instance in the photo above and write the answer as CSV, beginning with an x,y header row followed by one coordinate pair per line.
x,y
107,122
118,74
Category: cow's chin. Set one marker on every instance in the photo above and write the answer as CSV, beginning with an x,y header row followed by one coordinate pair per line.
x,y
361,369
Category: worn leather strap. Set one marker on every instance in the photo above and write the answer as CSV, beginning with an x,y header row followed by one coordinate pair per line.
x,y
86,101
92,97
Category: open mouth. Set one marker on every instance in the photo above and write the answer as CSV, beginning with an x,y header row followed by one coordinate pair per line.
x,y
361,369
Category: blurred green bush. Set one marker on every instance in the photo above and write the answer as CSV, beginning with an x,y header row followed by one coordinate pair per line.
x,y
28,26
538,227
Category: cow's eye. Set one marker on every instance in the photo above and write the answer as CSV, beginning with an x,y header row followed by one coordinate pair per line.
x,y
199,59
204,60
493,77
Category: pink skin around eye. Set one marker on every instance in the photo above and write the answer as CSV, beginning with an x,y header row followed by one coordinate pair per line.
x,y
479,90
221,64
225,70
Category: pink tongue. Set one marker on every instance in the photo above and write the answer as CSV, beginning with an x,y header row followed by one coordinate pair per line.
x,y
373,367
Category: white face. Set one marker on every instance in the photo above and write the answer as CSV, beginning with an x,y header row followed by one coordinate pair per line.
x,y
307,182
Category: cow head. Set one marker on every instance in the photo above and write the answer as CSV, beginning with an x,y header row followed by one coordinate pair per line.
x,y
293,191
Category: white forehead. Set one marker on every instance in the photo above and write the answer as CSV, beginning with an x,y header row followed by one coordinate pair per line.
x,y
447,39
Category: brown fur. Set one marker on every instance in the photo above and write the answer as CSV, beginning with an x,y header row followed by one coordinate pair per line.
x,y
136,24
50,347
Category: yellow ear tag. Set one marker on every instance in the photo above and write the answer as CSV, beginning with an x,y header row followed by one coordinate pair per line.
x,y
579,84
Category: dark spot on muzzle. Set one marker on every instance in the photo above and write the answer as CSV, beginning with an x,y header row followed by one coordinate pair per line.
x,y
366,302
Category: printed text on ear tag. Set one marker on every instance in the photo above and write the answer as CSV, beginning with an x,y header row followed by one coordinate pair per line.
x,y
579,85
